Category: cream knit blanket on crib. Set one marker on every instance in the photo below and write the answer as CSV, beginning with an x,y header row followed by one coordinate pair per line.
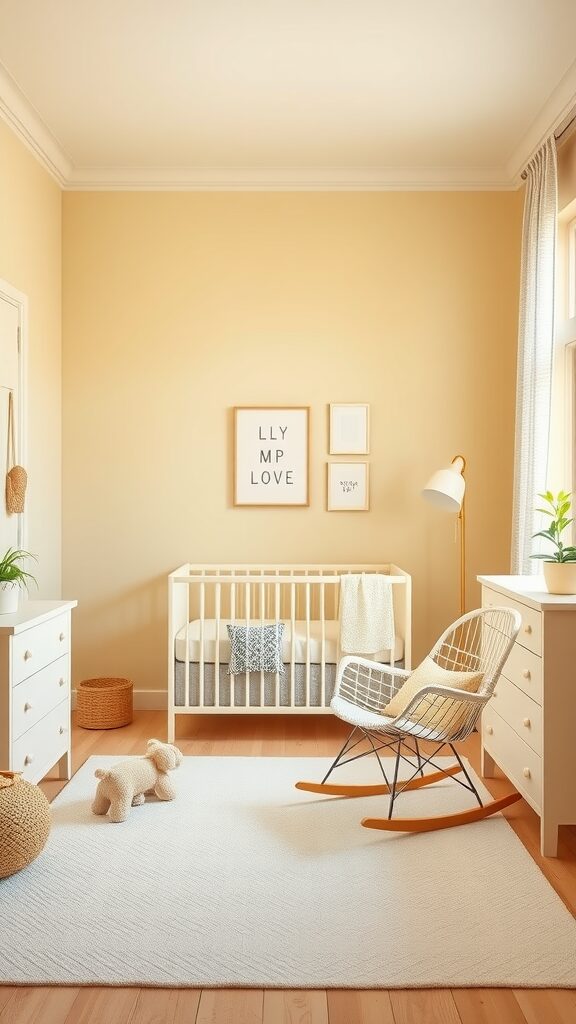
x,y
366,613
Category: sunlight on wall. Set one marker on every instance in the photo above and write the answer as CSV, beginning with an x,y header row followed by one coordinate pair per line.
x,y
179,306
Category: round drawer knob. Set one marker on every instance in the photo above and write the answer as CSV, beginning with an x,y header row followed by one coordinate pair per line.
x,y
61,681
528,628
489,730
495,694
526,773
28,759
27,655
62,636
526,673
526,722
28,706
61,730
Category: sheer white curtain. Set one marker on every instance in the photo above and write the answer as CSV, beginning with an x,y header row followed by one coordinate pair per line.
x,y
535,346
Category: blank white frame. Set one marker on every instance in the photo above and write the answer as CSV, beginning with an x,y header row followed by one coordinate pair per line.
x,y
348,487
349,428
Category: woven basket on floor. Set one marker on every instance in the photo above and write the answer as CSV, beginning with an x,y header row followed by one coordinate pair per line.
x,y
24,822
104,703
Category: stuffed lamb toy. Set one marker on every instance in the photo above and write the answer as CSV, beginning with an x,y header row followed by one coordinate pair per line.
x,y
126,784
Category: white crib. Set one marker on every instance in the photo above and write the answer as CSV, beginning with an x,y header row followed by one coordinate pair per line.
x,y
204,599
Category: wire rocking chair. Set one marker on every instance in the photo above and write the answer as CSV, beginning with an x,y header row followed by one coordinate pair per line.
x,y
478,642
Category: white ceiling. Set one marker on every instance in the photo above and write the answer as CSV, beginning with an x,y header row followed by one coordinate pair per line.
x,y
351,93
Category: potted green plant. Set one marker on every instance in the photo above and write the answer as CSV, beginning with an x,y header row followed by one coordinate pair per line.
x,y
13,579
560,565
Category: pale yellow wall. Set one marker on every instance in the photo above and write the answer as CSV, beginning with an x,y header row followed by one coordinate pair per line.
x,y
31,261
179,306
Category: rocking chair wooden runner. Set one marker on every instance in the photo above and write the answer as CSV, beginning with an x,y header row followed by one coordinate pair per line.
x,y
478,643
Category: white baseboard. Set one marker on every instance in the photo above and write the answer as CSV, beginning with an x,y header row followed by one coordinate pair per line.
x,y
144,700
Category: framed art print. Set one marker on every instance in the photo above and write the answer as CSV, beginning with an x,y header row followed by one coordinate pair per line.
x,y
271,455
349,429
348,487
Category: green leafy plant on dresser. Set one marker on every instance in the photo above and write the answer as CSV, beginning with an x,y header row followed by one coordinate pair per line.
x,y
13,578
559,565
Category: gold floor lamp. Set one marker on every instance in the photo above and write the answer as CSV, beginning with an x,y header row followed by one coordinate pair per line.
x,y
445,489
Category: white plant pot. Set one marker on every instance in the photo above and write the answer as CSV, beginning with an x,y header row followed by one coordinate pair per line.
x,y
560,577
9,597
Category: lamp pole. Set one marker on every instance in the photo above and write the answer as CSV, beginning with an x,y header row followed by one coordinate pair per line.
x,y
459,463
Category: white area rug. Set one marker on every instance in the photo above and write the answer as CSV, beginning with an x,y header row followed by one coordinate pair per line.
x,y
244,881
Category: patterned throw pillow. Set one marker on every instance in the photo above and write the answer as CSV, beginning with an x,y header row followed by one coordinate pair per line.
x,y
256,648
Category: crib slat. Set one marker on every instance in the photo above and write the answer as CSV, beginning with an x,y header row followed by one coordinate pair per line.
x,y
322,644
277,619
217,611
202,617
187,652
262,604
292,639
247,587
233,618
307,610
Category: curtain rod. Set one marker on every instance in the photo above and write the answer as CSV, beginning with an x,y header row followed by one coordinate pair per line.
x,y
565,126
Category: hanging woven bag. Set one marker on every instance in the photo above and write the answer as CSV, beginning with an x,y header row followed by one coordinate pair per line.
x,y
16,476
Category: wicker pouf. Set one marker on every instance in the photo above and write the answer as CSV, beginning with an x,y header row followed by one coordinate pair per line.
x,y
24,823
104,703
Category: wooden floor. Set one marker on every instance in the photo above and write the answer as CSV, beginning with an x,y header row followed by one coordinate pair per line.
x,y
292,736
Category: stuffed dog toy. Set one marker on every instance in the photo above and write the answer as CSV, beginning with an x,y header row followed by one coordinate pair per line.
x,y
126,784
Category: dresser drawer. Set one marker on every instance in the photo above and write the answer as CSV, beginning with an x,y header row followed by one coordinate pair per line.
x,y
520,711
518,761
524,669
530,635
33,698
40,747
39,646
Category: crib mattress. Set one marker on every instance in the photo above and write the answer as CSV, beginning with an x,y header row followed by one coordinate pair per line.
x,y
236,692
331,653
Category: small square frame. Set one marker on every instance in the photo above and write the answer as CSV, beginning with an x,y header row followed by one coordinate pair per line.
x,y
348,487
349,428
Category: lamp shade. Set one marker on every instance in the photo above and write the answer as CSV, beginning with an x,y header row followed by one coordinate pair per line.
x,y
446,487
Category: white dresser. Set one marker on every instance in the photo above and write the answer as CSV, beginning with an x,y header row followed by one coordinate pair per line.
x,y
529,726
35,689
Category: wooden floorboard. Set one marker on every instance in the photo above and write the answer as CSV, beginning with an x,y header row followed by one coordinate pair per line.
x,y
348,1007
303,1006
547,1006
166,1006
42,1005
416,1006
231,1006
102,1006
485,1006
305,736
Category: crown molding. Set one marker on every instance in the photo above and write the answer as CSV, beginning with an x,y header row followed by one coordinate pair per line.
x,y
291,179
27,124
25,121
559,105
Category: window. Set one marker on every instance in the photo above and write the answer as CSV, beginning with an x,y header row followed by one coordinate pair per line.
x,y
571,268
562,450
